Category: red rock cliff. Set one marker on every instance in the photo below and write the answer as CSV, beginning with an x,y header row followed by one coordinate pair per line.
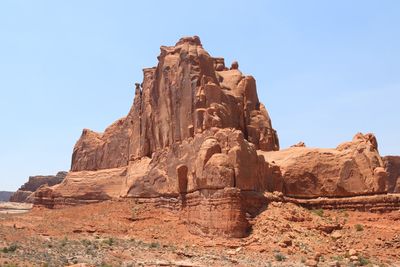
x,y
188,92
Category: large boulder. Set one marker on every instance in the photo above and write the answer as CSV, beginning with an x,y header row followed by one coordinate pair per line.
x,y
353,168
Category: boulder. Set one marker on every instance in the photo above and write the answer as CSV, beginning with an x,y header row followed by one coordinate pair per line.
x,y
353,168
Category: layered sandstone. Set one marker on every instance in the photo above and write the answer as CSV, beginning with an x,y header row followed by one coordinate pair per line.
x,y
34,183
187,93
371,203
392,165
192,134
353,168
197,139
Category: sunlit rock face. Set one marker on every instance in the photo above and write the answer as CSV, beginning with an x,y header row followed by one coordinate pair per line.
x,y
187,93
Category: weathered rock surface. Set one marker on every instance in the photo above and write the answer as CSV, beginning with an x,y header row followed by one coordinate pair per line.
x,y
392,166
34,183
194,128
353,168
197,139
214,159
187,93
372,203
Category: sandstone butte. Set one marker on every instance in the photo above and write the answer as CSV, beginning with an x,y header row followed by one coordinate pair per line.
x,y
198,140
24,193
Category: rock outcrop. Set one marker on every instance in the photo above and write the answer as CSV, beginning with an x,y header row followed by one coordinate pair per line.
x,y
187,93
192,134
34,183
353,168
392,166
197,139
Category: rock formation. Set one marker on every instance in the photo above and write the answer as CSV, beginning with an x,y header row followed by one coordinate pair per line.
x,y
34,183
187,93
353,168
198,139
392,165
192,132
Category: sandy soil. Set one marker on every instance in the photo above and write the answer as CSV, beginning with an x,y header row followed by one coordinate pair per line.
x,y
124,233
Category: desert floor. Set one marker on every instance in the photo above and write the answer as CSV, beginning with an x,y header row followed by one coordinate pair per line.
x,y
124,233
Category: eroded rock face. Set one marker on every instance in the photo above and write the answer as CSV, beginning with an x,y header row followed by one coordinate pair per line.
x,y
214,159
198,136
187,93
353,168
34,183
392,166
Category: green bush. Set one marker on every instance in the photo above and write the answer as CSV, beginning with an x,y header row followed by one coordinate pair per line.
x,y
318,212
280,257
359,227
110,241
154,245
11,248
363,261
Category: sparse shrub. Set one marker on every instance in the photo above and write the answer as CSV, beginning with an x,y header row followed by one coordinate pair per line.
x,y
279,257
86,242
64,242
110,241
363,261
155,245
337,258
359,227
318,212
11,248
134,213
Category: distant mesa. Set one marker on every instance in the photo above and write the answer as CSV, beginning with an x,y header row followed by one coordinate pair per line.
x,y
5,195
198,140
34,183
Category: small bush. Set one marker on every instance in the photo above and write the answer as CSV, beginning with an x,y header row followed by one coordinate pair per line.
x,y
318,212
11,248
64,242
279,257
154,245
110,241
337,258
363,261
359,227
86,242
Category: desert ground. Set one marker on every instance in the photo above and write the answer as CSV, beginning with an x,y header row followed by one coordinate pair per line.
x,y
129,233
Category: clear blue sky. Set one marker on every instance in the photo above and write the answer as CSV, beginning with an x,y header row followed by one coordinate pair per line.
x,y
324,69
